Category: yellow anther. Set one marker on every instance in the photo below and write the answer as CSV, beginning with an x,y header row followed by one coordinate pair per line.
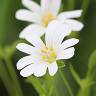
x,y
51,49
51,60
43,51
53,54
47,18
43,57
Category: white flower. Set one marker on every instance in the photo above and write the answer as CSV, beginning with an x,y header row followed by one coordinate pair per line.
x,y
40,16
43,56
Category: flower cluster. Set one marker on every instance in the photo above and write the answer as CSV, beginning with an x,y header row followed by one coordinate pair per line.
x,y
46,21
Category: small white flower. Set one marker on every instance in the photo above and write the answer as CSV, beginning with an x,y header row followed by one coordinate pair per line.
x,y
43,56
40,16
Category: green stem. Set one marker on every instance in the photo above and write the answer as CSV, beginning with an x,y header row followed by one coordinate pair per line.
x,y
37,85
50,84
83,83
71,4
3,16
84,7
66,83
14,77
84,92
75,75
6,80
51,91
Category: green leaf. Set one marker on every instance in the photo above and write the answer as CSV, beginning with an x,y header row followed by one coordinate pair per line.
x,y
92,64
92,61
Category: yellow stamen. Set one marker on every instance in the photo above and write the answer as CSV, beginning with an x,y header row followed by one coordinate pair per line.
x,y
49,55
47,18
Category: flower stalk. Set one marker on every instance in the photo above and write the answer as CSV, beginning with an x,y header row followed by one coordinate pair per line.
x,y
6,80
84,7
66,83
37,85
13,76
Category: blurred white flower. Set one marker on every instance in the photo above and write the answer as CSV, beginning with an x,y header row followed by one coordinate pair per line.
x,y
43,56
41,15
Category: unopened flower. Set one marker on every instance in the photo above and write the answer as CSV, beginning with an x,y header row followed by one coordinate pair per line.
x,y
42,56
41,15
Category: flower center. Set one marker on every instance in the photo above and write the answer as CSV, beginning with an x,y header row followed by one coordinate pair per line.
x,y
47,18
49,55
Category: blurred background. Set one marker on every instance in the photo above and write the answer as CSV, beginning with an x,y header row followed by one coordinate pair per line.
x,y
76,80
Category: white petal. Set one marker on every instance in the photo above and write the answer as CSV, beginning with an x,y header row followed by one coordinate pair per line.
x,y
52,6
45,5
27,71
31,5
74,24
40,69
69,14
68,43
35,40
25,48
56,31
52,68
66,54
26,15
55,6
23,62
32,29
